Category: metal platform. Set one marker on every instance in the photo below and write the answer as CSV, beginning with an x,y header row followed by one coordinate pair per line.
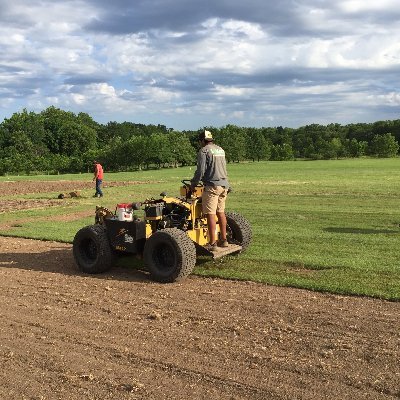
x,y
224,251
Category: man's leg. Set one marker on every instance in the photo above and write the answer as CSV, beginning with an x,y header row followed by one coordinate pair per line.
x,y
98,187
222,218
211,223
222,225
209,205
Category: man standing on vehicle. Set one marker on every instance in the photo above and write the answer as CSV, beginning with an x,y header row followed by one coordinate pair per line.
x,y
211,170
98,176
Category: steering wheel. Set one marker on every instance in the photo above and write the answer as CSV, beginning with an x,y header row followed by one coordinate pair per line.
x,y
188,183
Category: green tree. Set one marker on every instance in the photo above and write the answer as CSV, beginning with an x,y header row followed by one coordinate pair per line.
x,y
361,132
161,150
384,146
233,140
53,119
19,152
76,139
25,131
356,148
282,152
257,146
139,151
182,152
337,147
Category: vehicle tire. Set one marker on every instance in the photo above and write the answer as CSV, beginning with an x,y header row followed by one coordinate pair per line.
x,y
238,229
169,255
92,251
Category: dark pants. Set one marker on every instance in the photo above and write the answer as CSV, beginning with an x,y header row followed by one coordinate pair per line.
x,y
98,188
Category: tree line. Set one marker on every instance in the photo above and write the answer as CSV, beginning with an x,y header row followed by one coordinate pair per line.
x,y
58,141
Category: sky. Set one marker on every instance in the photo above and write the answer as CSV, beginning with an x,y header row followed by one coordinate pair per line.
x,y
190,64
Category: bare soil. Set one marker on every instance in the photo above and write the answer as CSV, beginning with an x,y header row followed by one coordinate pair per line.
x,y
66,335
10,189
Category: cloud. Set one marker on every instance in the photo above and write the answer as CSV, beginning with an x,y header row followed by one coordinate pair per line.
x,y
188,64
124,16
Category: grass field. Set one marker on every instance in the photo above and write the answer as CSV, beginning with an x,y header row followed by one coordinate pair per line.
x,y
322,225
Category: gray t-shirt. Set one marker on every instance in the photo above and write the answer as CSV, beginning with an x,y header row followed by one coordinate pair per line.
x,y
211,167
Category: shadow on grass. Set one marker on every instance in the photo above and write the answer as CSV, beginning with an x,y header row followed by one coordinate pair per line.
x,y
361,231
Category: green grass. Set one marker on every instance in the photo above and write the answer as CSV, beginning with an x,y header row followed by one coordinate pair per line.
x,y
322,225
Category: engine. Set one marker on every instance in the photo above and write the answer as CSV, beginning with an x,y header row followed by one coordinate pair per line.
x,y
162,215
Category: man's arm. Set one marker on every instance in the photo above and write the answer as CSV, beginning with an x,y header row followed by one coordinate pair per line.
x,y
96,172
201,167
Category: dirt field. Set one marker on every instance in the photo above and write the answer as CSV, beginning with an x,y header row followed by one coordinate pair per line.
x,y
65,335
13,188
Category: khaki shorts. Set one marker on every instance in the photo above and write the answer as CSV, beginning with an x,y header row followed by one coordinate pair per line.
x,y
213,199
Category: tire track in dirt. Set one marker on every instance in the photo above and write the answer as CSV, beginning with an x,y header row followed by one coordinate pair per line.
x,y
56,218
64,334
9,188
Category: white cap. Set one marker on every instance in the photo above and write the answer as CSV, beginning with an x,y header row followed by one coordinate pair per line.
x,y
208,135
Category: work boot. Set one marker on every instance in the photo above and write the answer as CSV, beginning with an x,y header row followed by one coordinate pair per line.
x,y
223,243
211,247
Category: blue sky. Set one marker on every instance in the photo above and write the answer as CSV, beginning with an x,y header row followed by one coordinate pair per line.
x,y
188,64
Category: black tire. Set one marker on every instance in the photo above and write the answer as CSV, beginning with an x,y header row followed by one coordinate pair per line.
x,y
238,229
169,255
92,251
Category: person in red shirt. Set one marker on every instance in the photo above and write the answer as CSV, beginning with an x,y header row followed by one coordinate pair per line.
x,y
98,176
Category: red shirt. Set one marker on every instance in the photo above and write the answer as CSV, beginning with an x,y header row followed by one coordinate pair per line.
x,y
99,171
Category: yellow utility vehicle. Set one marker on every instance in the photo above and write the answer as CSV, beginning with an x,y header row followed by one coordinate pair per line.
x,y
169,235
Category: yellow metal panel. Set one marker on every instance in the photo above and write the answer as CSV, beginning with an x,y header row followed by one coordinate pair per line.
x,y
148,230
197,192
174,200
199,236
